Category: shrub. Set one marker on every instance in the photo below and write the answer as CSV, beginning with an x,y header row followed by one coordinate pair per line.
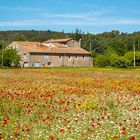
x,y
102,61
119,62
129,56
10,57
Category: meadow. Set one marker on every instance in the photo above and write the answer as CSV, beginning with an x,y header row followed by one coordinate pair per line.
x,y
69,104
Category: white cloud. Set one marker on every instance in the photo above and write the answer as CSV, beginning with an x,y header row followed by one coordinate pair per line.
x,y
72,15
96,18
20,23
22,9
71,22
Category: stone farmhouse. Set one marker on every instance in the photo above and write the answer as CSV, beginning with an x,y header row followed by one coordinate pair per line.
x,y
52,53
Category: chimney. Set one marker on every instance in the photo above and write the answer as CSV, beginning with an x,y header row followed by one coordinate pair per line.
x,y
80,43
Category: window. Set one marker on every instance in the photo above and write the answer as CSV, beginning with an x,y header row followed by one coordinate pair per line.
x,y
60,56
76,57
83,57
37,65
46,56
26,64
49,63
24,56
69,57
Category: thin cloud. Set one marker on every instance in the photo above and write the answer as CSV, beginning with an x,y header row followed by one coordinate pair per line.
x,y
19,23
70,22
97,18
22,9
73,15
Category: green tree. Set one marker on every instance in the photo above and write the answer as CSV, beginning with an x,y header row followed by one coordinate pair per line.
x,y
118,47
2,47
10,57
77,35
129,56
102,61
119,61
19,38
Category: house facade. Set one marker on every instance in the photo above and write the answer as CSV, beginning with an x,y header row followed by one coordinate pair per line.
x,y
52,53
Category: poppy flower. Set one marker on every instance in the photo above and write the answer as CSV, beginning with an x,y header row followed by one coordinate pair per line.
x,y
123,132
62,130
52,138
132,138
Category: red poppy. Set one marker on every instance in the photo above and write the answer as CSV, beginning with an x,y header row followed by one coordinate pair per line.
x,y
52,138
123,132
132,138
35,121
102,118
18,128
6,120
62,130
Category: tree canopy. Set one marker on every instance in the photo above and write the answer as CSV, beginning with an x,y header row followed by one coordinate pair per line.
x,y
8,57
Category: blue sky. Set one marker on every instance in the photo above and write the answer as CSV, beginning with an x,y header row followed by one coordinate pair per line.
x,y
94,16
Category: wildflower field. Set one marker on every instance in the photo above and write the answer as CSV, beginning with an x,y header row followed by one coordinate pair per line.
x,y
69,104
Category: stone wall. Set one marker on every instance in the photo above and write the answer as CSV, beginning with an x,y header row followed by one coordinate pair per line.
x,y
73,43
57,60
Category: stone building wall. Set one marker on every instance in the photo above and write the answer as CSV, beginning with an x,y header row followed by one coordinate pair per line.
x,y
57,60
73,43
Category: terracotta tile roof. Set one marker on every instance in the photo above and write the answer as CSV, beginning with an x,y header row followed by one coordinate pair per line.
x,y
32,46
58,40
59,45
36,47
67,50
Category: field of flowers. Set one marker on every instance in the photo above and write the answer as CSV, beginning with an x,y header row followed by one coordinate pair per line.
x,y
69,104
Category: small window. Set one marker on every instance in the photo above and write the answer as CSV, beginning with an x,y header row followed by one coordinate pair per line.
x,y
46,56
49,63
26,64
83,57
37,65
60,56
69,57
25,56
76,57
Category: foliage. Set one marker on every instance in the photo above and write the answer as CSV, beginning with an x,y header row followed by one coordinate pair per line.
x,y
129,56
113,60
118,47
102,61
10,57
19,38
119,61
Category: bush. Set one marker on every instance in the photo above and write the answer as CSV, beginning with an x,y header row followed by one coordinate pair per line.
x,y
129,56
102,61
10,57
119,62
114,60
